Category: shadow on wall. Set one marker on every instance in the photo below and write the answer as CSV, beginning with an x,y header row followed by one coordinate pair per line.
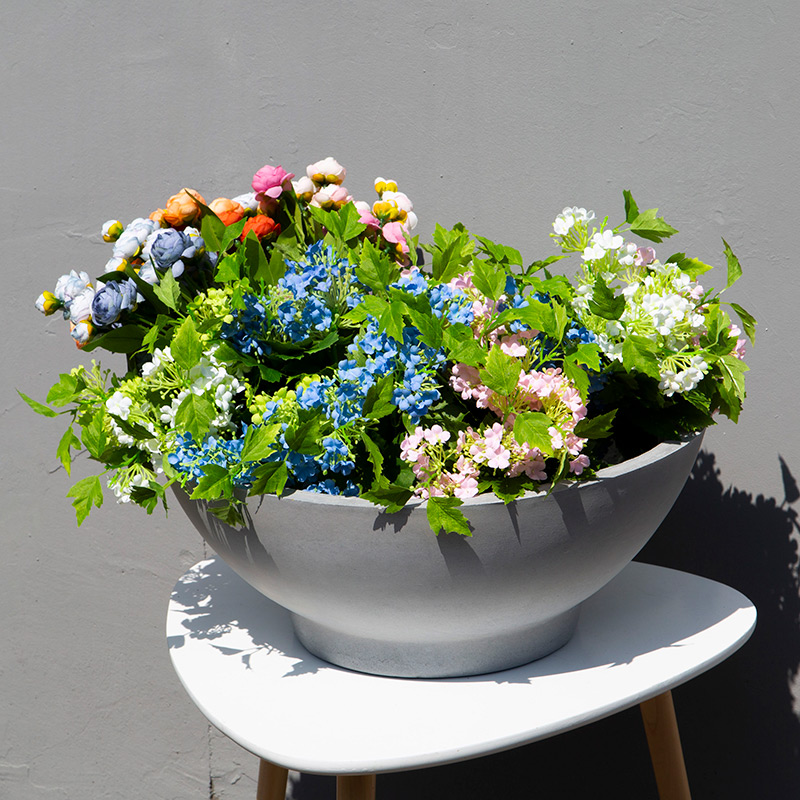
x,y
740,732
740,722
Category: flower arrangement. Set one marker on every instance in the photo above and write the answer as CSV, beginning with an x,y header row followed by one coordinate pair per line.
x,y
292,339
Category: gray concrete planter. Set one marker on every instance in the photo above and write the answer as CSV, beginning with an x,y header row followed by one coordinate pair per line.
x,y
380,593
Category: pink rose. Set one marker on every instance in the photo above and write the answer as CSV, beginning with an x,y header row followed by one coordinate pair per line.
x,y
395,234
271,181
366,216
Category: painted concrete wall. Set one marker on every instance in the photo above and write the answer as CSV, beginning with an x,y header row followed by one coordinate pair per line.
x,y
495,114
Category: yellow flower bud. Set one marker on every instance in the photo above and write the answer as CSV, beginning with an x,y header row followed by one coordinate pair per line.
x,y
48,303
382,185
112,230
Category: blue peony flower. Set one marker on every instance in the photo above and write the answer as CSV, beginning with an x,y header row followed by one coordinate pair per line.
x,y
168,249
111,300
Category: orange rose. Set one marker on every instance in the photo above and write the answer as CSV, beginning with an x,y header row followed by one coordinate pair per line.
x,y
158,216
227,210
182,210
262,226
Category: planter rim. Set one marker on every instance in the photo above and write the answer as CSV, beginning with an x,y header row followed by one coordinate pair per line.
x,y
661,450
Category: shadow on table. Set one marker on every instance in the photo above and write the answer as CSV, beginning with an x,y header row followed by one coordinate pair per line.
x,y
740,733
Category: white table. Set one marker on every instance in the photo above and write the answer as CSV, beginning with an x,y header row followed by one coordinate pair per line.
x,y
650,630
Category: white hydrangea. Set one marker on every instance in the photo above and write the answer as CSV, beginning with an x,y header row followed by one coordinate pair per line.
x,y
207,376
565,221
119,405
583,294
685,380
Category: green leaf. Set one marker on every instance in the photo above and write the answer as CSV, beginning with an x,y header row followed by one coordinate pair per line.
x,y
444,515
127,339
186,347
536,315
259,268
167,290
588,353
63,392
215,483
638,353
502,372
562,319
430,327
532,428
374,454
459,341
392,496
650,226
151,337
68,441
576,373
145,289
600,427
733,374
94,436
39,408
731,389
487,279
748,321
734,267
451,251
259,443
87,492
693,267
391,320
303,438
228,269
378,401
509,489
232,232
228,512
342,224
500,252
269,478
324,343
631,209
375,268
268,374
604,303
535,266
212,229
194,415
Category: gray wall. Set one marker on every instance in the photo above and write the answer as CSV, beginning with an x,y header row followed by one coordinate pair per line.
x,y
497,115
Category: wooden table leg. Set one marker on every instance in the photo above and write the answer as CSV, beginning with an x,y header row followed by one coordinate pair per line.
x,y
272,781
355,787
661,727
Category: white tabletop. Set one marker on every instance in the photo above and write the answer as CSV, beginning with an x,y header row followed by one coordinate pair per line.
x,y
649,630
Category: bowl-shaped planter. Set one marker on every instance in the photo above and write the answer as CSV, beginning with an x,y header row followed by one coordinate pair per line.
x,y
380,593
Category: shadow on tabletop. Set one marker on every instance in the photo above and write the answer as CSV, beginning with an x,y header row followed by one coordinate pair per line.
x,y
740,734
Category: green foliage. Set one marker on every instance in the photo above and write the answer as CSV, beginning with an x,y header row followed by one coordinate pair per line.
x,y
38,407
194,415
86,493
168,291
502,372
532,428
445,515
187,349
604,302
650,226
476,384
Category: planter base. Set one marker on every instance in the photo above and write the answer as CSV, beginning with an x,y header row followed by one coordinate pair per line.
x,y
437,659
